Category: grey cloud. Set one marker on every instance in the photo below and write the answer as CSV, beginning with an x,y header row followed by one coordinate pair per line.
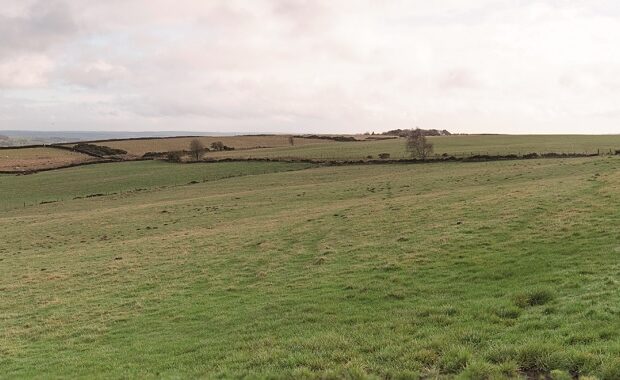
x,y
341,66
45,23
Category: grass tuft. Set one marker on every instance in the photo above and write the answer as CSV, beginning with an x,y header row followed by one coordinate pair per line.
x,y
533,298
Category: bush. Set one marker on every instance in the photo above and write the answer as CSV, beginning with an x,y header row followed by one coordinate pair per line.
x,y
384,156
97,150
175,156
154,155
219,146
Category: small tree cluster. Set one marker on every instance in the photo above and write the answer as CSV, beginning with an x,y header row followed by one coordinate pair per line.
x,y
219,146
418,145
425,132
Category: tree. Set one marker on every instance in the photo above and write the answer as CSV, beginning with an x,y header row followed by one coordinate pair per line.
x,y
196,149
291,140
418,145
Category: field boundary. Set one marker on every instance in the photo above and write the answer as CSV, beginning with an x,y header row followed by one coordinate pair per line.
x,y
475,158
325,162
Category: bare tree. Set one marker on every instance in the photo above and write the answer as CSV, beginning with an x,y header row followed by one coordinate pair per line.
x,y
196,149
418,145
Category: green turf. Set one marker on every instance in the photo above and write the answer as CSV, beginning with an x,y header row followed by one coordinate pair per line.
x,y
478,270
453,145
65,184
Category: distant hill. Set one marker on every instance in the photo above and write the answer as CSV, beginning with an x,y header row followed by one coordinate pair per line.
x,y
19,138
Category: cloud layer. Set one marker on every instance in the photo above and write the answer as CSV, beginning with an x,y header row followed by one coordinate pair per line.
x,y
311,66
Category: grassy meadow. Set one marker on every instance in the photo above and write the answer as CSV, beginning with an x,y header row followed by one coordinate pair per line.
x,y
452,145
470,270
119,178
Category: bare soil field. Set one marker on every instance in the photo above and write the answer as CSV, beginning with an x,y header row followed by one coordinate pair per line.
x,y
138,147
23,160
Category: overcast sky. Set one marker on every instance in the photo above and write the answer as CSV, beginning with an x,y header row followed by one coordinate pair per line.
x,y
310,66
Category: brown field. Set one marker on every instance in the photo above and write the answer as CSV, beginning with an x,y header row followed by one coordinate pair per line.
x,y
138,147
20,160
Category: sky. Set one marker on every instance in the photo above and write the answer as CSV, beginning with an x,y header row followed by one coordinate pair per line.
x,y
301,66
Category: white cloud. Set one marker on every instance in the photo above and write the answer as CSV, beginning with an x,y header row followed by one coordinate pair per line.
x,y
301,65
29,70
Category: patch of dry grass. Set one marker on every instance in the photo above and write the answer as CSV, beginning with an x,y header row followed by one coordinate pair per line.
x,y
19,160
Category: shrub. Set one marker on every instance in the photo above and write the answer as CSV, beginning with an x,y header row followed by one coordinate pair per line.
x,y
175,156
219,146
97,150
384,156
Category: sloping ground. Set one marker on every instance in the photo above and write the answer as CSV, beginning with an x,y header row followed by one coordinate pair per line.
x,y
119,178
30,159
138,147
483,270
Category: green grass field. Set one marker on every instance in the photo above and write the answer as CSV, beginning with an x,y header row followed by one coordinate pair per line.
x,y
83,181
477,270
453,145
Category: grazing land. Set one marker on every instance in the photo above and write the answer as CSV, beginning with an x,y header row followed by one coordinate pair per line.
x,y
478,270
118,179
139,147
27,159
451,145
279,147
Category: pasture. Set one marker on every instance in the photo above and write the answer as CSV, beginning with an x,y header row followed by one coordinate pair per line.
x,y
19,160
477,270
138,147
451,145
119,178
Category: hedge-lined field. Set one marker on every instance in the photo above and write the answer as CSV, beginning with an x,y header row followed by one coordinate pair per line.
x,y
451,145
138,147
